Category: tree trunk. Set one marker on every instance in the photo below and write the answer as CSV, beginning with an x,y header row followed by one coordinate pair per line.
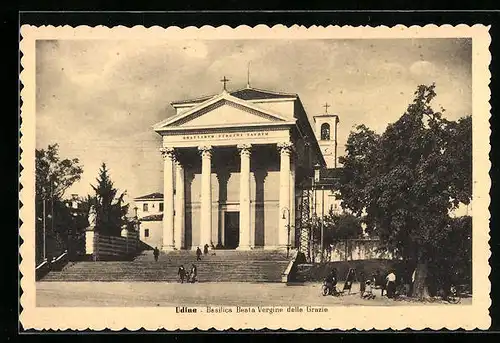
x,y
420,287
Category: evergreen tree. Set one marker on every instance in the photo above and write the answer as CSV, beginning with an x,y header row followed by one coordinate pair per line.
x,y
111,214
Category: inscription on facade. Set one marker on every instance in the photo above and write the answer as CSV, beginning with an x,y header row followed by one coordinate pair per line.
x,y
225,135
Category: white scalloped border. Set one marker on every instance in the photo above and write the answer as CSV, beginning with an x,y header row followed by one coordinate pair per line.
x,y
339,317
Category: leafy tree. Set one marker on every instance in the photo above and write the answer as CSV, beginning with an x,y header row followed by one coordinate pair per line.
x,y
336,227
111,214
408,179
53,176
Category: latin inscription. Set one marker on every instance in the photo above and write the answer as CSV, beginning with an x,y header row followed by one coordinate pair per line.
x,y
226,135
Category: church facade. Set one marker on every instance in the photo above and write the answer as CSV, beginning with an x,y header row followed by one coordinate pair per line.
x,y
232,166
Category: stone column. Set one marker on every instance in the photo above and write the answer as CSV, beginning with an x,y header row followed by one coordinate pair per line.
x,y
168,198
206,196
292,201
179,205
284,202
245,242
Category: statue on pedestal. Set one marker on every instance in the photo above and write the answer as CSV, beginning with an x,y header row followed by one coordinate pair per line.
x,y
92,218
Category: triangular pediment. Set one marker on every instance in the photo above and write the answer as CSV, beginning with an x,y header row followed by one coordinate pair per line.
x,y
222,110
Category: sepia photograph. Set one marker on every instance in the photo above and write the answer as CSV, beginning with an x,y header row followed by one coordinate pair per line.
x,y
264,175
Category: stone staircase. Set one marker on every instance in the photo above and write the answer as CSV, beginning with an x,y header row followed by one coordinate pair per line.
x,y
224,266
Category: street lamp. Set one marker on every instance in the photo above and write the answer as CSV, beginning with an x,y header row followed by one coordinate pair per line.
x,y
287,210
316,180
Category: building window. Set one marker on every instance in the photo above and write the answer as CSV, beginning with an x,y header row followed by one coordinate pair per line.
x,y
161,207
146,232
325,132
144,207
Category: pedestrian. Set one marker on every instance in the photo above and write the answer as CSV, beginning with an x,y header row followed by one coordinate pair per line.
x,y
193,273
362,284
181,273
156,253
391,284
379,282
205,250
368,293
351,275
412,284
198,254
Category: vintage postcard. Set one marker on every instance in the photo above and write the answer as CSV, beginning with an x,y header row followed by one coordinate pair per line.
x,y
249,178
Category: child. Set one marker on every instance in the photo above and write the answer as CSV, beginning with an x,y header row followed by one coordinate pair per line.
x,y
368,293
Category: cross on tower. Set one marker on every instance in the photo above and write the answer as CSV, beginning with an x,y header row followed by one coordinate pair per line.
x,y
224,81
326,107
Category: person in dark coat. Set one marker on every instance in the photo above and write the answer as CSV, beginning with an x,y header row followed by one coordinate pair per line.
x,y
193,273
362,284
198,254
181,273
156,253
331,280
205,249
391,284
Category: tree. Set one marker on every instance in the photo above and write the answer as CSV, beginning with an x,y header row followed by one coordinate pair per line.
x,y
336,228
53,176
111,214
408,179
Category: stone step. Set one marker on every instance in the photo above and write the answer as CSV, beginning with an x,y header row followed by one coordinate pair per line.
x,y
226,265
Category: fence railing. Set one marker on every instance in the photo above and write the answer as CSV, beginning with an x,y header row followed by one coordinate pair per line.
x,y
102,247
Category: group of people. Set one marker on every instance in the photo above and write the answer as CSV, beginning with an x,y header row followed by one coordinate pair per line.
x,y
387,285
191,276
198,252
367,285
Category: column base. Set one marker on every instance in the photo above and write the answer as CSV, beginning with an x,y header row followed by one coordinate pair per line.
x,y
168,248
275,247
244,248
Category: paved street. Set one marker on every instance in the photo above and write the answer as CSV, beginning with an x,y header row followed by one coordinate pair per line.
x,y
145,294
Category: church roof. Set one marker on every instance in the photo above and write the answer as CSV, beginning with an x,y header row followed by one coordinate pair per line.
x,y
150,196
248,93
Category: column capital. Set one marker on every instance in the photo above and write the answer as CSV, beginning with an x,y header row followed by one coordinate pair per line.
x,y
285,147
167,152
205,150
244,149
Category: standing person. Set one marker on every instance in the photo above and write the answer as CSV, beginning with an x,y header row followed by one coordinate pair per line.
x,y
391,284
379,282
181,273
193,273
351,274
362,284
156,253
412,284
205,249
198,254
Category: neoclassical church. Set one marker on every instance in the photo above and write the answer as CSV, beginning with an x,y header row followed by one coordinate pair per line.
x,y
232,165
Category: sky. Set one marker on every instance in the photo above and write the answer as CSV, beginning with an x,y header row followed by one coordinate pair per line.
x,y
98,99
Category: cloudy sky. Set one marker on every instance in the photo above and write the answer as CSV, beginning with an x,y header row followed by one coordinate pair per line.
x,y
98,98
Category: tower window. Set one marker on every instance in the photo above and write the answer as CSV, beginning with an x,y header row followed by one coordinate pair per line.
x,y
146,232
145,207
325,132
161,207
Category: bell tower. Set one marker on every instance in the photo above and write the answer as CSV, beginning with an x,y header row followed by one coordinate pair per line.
x,y
325,127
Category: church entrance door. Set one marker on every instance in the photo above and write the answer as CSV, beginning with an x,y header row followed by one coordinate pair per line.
x,y
231,230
